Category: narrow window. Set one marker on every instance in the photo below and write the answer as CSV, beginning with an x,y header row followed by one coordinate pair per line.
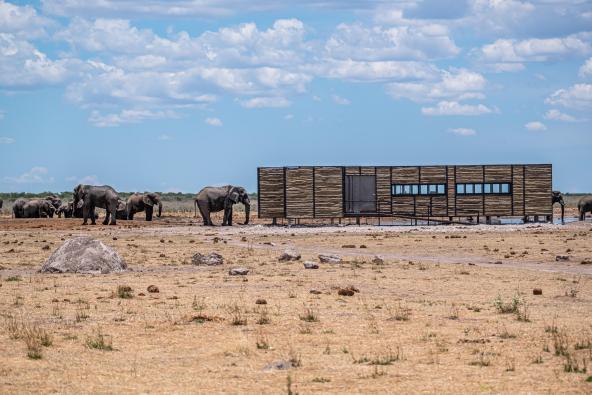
x,y
397,189
469,188
432,189
496,188
460,189
441,188
479,188
487,188
505,188
414,189
423,189
406,189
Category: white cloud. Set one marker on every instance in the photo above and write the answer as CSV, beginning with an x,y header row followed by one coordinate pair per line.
x,y
373,71
556,115
127,116
455,108
465,132
586,69
510,54
22,21
213,121
357,42
269,102
457,84
7,140
89,180
340,100
288,117
578,96
165,137
37,175
535,126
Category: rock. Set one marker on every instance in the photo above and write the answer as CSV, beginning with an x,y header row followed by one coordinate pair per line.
x,y
377,260
261,301
289,255
315,292
586,262
348,246
329,258
238,271
345,292
153,289
310,265
562,258
84,255
212,259
537,291
497,262
278,365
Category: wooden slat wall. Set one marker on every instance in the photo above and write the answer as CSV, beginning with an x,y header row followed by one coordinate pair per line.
x,y
498,204
271,192
518,190
383,189
405,175
328,192
538,190
469,205
403,205
469,174
352,171
422,204
368,170
451,191
433,174
299,193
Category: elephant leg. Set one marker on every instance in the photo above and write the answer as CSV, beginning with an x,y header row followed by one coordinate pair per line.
x,y
112,208
130,216
228,217
205,214
107,215
149,210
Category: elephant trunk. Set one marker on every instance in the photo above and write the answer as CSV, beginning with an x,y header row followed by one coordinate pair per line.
x,y
247,212
159,209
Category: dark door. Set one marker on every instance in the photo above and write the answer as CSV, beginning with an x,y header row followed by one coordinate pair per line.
x,y
360,194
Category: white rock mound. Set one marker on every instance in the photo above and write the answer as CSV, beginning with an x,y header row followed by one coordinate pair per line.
x,y
84,255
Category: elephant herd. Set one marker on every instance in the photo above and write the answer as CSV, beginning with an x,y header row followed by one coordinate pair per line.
x,y
88,197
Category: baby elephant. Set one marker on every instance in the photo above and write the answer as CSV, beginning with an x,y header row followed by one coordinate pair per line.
x,y
139,202
584,206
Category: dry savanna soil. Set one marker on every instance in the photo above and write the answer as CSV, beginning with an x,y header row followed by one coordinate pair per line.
x,y
448,309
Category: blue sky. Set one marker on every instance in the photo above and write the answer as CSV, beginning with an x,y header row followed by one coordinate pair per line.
x,y
175,95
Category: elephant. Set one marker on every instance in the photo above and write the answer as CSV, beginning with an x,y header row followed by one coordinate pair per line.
x,y
584,206
121,210
38,208
55,201
97,196
66,210
557,197
139,202
212,199
1,203
17,208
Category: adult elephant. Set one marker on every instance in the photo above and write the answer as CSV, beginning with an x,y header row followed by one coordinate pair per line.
x,y
121,210
38,208
139,202
97,196
55,201
584,206
17,208
66,210
213,199
557,197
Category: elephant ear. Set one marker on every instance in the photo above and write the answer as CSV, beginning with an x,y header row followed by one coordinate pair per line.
x,y
233,196
80,204
120,205
147,200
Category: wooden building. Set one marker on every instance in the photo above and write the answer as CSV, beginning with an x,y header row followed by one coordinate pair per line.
x,y
447,192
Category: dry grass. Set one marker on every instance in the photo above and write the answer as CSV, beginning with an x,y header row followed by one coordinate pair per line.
x,y
436,316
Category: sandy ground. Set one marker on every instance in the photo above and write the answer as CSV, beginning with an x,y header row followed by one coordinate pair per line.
x,y
426,320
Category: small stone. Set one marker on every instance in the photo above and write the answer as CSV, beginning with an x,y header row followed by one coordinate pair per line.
x,y
497,262
114,238
153,289
269,243
238,271
377,260
162,255
315,292
162,240
363,246
289,255
562,258
310,265
278,365
261,301
345,292
348,246
537,291
329,258
586,262
212,259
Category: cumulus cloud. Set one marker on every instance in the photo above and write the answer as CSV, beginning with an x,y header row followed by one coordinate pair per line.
x,y
7,140
457,84
22,21
127,116
37,175
465,132
213,121
586,69
556,115
535,126
455,108
266,102
578,96
89,180
342,101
